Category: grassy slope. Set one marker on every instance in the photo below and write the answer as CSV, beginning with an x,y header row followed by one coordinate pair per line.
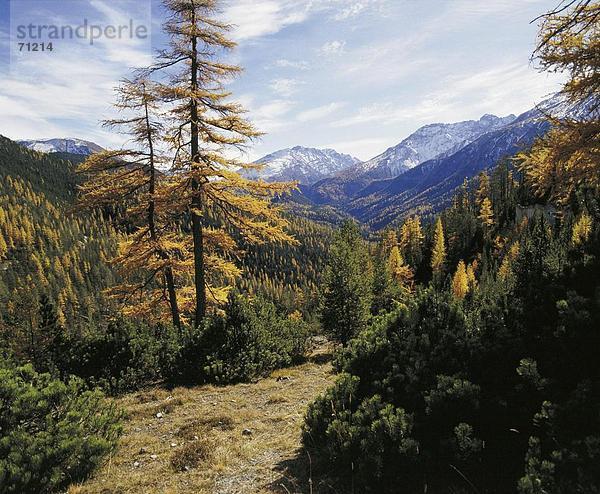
x,y
210,421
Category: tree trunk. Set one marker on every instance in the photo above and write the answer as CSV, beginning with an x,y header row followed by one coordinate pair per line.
x,y
197,231
152,227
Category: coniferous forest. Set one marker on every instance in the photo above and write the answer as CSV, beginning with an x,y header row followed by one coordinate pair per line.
x,y
456,346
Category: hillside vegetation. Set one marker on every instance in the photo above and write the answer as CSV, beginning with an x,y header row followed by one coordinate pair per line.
x,y
184,332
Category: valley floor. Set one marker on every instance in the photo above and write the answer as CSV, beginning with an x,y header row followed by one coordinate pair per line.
x,y
237,439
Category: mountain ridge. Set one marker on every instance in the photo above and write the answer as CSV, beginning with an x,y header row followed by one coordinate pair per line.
x,y
70,145
302,164
427,142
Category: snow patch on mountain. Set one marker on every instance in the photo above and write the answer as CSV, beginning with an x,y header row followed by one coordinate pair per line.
x,y
428,142
62,145
305,165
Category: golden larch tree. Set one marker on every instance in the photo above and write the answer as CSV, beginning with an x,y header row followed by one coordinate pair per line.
x,y
483,188
568,157
486,215
207,128
438,254
128,180
460,282
582,229
400,272
471,277
411,240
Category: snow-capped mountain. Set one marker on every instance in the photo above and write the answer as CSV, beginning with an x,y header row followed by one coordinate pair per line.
x,y
305,165
66,145
431,141
428,142
433,182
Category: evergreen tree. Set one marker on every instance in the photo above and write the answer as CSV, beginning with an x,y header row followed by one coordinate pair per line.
x,y
346,297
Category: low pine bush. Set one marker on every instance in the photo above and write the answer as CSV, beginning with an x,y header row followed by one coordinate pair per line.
x,y
251,340
51,433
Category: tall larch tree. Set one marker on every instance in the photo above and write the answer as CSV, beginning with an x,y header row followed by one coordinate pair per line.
x,y
483,188
471,277
127,179
389,241
568,157
582,229
486,215
207,128
460,281
438,253
411,241
400,272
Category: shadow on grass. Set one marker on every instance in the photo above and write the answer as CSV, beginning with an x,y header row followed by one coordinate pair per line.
x,y
305,474
320,358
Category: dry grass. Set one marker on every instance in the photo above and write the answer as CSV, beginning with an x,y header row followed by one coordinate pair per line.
x,y
227,440
192,455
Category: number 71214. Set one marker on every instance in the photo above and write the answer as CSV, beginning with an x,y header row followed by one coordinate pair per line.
x,y
36,46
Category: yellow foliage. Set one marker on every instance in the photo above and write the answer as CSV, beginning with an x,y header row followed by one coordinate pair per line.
x,y
582,229
438,255
471,278
411,233
460,282
486,213
400,272
505,272
568,157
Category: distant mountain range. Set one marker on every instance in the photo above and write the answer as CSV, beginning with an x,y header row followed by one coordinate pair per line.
x,y
62,145
420,173
428,142
432,183
411,177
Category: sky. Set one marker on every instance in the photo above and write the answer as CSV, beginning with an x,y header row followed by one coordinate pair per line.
x,y
357,76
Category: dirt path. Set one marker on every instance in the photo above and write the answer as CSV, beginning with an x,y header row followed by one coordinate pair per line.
x,y
237,439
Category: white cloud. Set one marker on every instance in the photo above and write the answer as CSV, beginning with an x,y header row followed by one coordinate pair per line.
x,y
319,112
354,8
270,117
350,11
333,48
69,91
256,18
285,87
509,88
292,64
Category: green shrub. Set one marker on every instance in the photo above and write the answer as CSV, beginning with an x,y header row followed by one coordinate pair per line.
x,y
498,393
375,433
121,357
400,405
249,341
51,433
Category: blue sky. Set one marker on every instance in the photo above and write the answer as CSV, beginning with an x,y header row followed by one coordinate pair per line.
x,y
354,75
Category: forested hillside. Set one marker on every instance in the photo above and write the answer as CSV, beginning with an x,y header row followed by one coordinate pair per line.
x,y
447,343
46,252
